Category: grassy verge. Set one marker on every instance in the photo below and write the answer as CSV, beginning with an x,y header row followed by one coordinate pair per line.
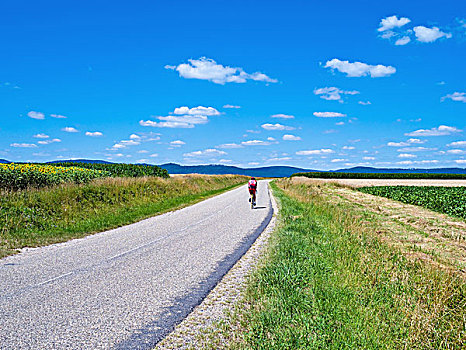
x,y
329,281
33,218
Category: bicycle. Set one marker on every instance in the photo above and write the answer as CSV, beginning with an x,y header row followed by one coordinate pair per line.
x,y
252,199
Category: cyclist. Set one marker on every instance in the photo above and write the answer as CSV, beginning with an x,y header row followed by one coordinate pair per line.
x,y
252,186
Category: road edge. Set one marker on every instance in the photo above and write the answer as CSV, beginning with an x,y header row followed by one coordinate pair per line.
x,y
220,301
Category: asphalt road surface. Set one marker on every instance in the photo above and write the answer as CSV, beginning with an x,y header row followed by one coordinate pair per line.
x,y
126,288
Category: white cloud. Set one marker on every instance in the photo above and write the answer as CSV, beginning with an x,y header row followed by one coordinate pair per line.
x,y
187,119
456,96
124,144
338,160
255,143
41,136
231,106
58,116
429,35
177,143
359,69
405,162
340,123
93,134
392,22
279,159
230,145
270,139
23,145
154,155
225,161
368,158
276,127
36,115
456,151
442,130
165,124
206,152
291,138
348,147
69,129
333,93
134,137
365,103
406,155
460,161
143,151
207,69
329,114
283,116
199,110
315,151
253,163
415,149
47,142
457,144
409,142
403,41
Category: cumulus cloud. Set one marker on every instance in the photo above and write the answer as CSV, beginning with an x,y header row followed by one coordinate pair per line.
x,y
177,143
230,145
429,35
456,151
348,147
315,152
456,96
329,114
368,158
406,155
409,142
23,145
69,129
48,141
333,93
457,144
276,127
207,69
442,130
41,136
338,160
199,110
124,144
183,117
391,22
360,69
255,143
58,116
283,116
206,152
415,149
403,41
291,138
231,106
36,115
365,103
134,137
460,161
93,133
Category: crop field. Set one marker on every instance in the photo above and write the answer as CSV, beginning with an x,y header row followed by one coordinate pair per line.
x,y
121,170
337,175
21,176
448,200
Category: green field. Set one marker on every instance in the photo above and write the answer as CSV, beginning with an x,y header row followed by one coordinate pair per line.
x,y
338,175
36,217
120,170
448,200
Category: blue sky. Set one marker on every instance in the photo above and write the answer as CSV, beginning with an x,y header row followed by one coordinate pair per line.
x,y
320,85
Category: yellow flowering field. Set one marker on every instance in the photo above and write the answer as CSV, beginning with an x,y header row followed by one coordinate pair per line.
x,y
19,176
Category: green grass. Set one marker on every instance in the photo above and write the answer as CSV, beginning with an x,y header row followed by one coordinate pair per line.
x,y
447,200
39,217
329,282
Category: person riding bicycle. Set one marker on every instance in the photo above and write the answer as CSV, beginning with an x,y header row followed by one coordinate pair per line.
x,y
252,187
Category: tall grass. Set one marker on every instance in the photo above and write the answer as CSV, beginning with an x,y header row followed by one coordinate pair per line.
x,y
330,282
42,216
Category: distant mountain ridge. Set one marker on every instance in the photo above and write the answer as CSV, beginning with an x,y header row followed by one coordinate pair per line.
x,y
268,171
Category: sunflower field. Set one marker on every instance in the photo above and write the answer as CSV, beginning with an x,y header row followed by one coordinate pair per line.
x,y
20,176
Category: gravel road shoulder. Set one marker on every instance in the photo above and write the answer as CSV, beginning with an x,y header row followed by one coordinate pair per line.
x,y
202,324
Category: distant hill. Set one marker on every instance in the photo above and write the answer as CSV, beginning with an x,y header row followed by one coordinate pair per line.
x,y
97,161
4,161
271,171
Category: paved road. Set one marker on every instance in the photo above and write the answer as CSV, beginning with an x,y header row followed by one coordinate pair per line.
x,y
125,288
